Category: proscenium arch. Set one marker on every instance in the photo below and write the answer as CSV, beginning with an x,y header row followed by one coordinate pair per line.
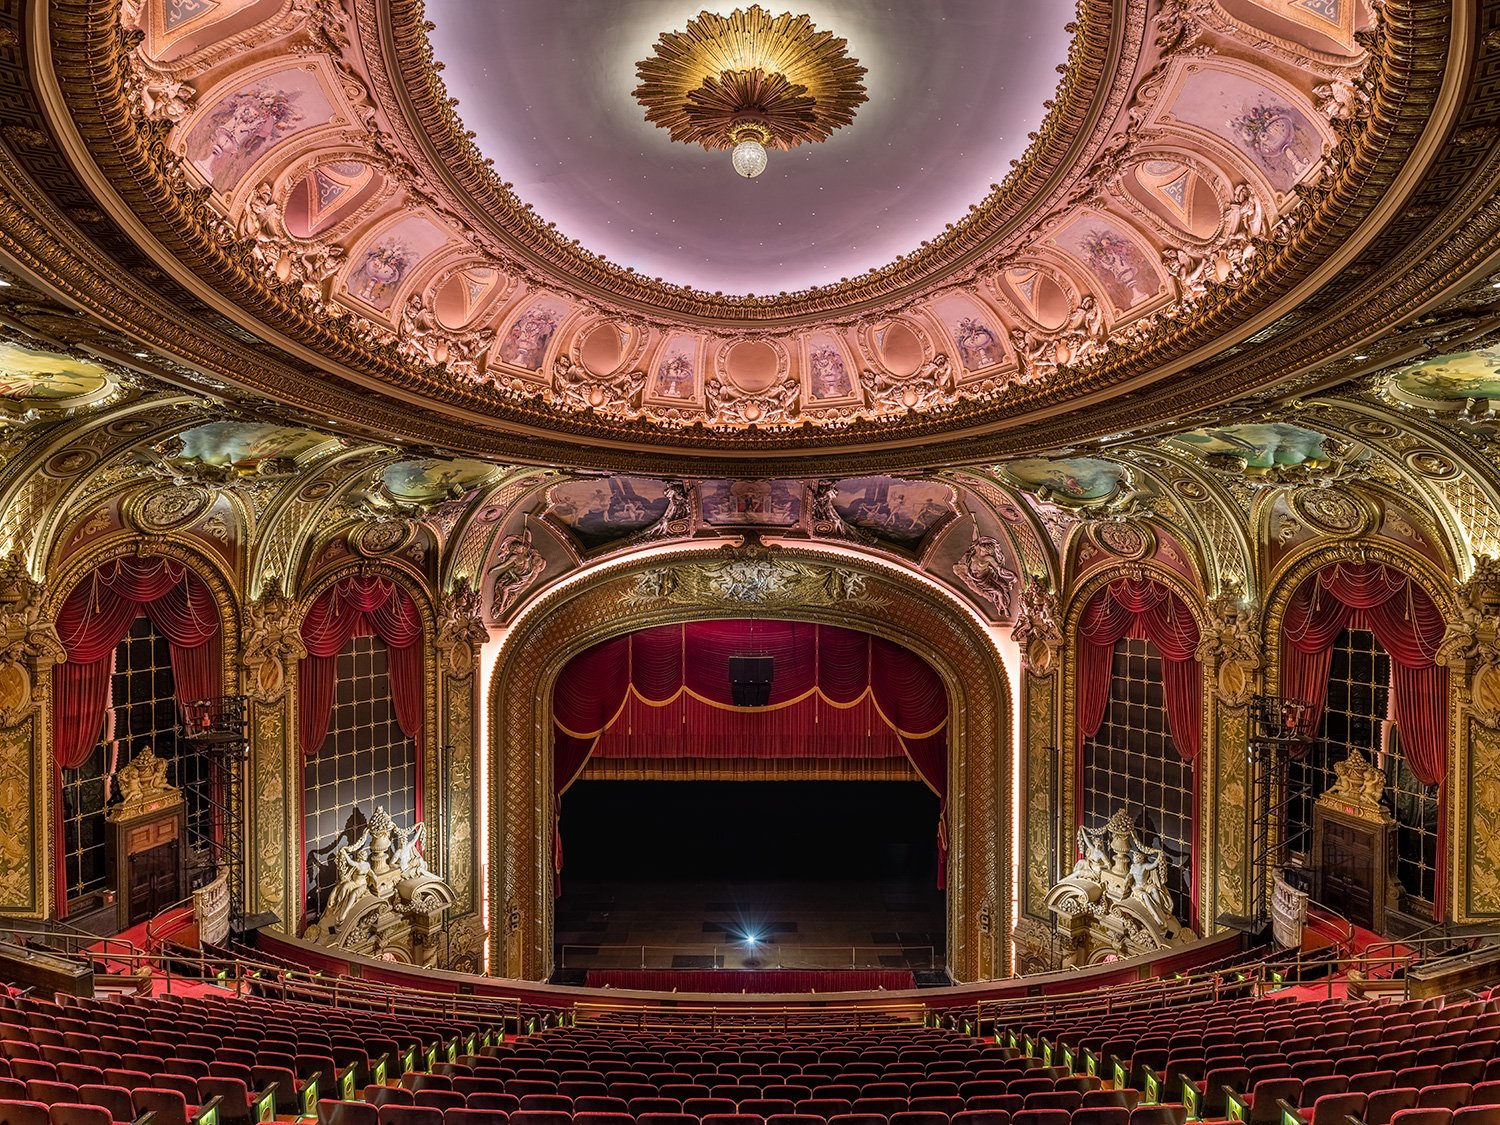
x,y
916,614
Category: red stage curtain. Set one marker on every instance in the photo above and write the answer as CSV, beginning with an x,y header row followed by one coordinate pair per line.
x,y
93,620
1409,626
1143,608
753,980
360,606
836,693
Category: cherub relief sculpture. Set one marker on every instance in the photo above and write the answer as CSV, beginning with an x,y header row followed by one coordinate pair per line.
x,y
516,564
460,631
272,642
1115,900
143,786
385,896
983,570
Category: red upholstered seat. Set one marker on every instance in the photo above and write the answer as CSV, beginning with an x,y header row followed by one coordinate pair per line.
x,y
409,1115
74,1113
440,1099
1382,1105
1449,1096
331,1112
1422,1117
1160,1115
474,1116
17,1112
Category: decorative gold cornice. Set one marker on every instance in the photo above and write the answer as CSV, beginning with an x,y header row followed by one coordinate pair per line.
x,y
1408,74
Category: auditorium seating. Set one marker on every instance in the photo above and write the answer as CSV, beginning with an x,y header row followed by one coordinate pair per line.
x,y
1134,1058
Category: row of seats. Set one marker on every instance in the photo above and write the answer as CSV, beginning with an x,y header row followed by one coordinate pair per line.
x,y
175,1057
395,1113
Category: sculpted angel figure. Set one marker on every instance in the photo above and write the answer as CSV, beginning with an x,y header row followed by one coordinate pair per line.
x,y
408,855
1187,273
517,563
1244,223
261,225
353,864
1148,881
1093,855
982,569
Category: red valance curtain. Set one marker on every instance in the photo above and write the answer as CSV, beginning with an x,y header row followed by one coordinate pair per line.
x,y
1409,626
1144,608
836,693
360,606
93,620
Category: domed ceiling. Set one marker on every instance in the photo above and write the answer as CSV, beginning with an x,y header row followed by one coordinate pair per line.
x,y
444,225
955,87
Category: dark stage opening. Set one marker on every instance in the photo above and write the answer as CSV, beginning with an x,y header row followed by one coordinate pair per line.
x,y
676,874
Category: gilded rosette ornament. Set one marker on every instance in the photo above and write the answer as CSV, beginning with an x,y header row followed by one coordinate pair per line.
x,y
777,76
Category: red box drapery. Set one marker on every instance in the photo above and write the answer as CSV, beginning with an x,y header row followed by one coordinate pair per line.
x,y
1143,608
1409,626
360,606
665,693
93,620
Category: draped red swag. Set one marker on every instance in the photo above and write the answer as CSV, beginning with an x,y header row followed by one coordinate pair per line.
x,y
1409,626
93,620
1142,608
360,606
664,693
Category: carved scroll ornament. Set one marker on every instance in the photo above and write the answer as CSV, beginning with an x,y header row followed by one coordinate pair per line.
x,y
28,641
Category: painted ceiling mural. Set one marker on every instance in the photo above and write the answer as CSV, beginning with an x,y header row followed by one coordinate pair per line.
x,y
1201,162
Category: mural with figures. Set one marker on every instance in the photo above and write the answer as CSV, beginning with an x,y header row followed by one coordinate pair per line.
x,y
751,503
430,479
1261,445
975,331
1460,375
525,342
676,369
250,447
243,126
902,511
827,370
1277,137
600,511
382,264
1078,480
45,379
1116,260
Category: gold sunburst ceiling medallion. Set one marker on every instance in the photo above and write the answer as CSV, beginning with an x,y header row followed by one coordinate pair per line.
x,y
748,81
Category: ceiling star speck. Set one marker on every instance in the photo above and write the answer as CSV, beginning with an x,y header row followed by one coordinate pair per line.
x,y
750,80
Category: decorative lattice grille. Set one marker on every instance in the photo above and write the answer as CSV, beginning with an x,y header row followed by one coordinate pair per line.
x,y
1132,763
364,761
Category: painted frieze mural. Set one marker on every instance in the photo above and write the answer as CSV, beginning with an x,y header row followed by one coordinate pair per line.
x,y
751,503
243,126
904,512
598,511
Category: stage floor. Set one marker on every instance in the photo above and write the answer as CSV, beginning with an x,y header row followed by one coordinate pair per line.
x,y
701,925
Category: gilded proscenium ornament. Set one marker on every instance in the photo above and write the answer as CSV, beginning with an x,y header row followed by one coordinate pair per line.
x,y
750,76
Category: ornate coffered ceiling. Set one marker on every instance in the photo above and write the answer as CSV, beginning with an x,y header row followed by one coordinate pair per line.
x,y
1226,197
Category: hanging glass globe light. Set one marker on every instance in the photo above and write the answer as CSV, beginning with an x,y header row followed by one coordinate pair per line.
x,y
749,158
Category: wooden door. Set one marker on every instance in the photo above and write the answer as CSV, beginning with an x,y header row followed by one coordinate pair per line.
x,y
1348,868
153,881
